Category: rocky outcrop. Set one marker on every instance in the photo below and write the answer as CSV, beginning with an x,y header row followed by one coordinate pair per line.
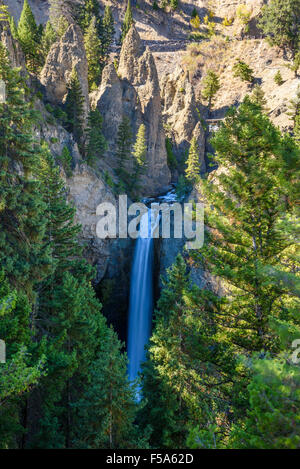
x,y
64,55
134,92
181,114
111,257
15,53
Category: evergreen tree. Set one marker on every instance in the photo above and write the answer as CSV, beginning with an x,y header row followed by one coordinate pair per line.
x,y
89,10
211,87
278,78
96,143
294,114
22,209
13,28
182,385
174,4
74,108
108,31
49,37
123,150
17,375
61,13
128,21
107,417
28,37
192,171
272,420
258,97
139,155
244,231
243,71
92,45
282,29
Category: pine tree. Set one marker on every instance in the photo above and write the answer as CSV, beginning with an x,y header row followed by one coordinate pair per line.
x,y
61,13
68,318
17,375
49,37
13,28
174,4
282,30
192,171
243,71
93,49
182,385
128,21
211,87
294,114
22,209
278,78
244,211
96,143
108,31
258,97
123,150
88,11
272,420
107,410
28,37
74,108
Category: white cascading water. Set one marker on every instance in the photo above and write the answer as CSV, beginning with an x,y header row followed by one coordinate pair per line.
x,y
141,298
141,291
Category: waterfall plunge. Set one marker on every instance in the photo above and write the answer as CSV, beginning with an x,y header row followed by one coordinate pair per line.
x,y
141,297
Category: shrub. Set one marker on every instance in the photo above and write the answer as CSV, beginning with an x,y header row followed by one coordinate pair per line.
x,y
243,71
227,21
278,78
243,13
66,160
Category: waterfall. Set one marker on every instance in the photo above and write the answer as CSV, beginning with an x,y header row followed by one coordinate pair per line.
x,y
141,298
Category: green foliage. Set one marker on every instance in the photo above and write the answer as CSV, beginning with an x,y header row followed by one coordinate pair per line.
x,y
182,188
296,64
294,114
194,13
211,86
140,158
243,71
172,162
88,10
108,31
62,13
192,171
66,160
258,97
21,207
49,37
28,36
128,21
74,108
17,375
107,419
282,29
174,4
227,21
278,78
252,152
123,151
243,14
178,392
93,50
96,143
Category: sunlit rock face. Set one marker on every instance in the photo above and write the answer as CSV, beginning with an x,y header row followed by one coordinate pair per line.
x,y
64,55
134,92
